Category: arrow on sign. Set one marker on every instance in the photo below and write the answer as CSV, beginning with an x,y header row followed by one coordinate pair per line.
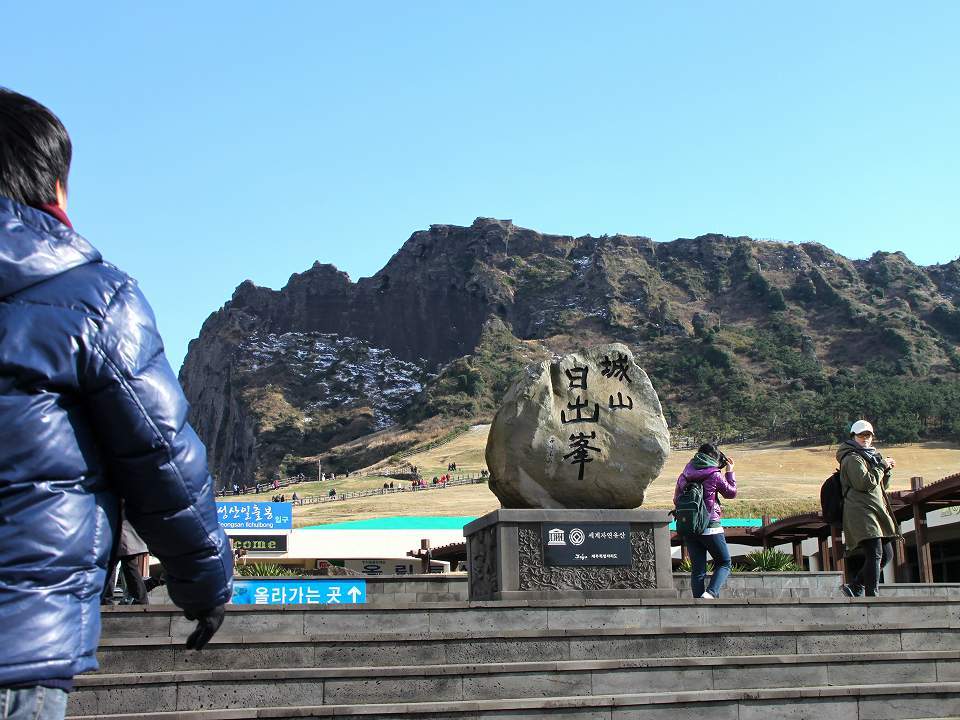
x,y
354,592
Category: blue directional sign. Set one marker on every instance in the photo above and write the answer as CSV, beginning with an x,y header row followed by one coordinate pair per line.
x,y
255,515
299,592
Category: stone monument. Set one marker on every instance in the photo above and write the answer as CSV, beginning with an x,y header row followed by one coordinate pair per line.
x,y
571,452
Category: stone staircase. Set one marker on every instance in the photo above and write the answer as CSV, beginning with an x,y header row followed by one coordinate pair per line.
x,y
740,659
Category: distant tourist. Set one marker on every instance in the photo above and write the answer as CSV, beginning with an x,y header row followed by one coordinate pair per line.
x,y
91,414
128,553
294,498
869,527
706,469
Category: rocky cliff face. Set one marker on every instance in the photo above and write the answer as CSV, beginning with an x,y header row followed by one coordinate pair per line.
x,y
280,378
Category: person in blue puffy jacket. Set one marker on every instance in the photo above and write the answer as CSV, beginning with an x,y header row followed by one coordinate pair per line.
x,y
90,413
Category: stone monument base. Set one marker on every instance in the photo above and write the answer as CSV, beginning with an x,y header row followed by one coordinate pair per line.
x,y
558,554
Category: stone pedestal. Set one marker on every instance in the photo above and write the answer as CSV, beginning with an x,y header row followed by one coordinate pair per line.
x,y
507,559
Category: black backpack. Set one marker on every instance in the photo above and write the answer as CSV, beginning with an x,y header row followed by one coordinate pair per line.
x,y
832,496
831,500
690,511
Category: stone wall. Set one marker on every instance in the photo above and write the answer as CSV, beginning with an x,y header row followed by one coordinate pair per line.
x,y
772,585
385,590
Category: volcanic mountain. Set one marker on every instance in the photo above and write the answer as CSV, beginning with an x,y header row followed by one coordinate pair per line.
x,y
739,336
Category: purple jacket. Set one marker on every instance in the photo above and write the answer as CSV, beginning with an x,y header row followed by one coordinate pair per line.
x,y
714,483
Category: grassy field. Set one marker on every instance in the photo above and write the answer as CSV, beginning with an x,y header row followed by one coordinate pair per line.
x,y
773,479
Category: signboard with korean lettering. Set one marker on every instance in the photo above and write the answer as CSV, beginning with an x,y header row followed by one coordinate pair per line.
x,y
396,566
255,515
299,592
586,544
259,543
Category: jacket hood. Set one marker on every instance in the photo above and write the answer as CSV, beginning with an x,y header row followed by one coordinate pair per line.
x,y
847,447
35,246
694,473
871,455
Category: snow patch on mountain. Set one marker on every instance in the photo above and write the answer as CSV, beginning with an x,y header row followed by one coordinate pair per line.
x,y
331,372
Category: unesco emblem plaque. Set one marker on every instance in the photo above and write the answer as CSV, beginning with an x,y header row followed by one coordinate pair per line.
x,y
580,544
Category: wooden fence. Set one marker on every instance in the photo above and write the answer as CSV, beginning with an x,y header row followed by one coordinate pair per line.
x,y
471,479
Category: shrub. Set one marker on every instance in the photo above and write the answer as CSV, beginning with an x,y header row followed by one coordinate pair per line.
x,y
770,560
687,566
265,570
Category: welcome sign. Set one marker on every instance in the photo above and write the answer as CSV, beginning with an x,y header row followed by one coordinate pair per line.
x,y
260,543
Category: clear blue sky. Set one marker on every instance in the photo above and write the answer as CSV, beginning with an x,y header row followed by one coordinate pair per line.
x,y
221,141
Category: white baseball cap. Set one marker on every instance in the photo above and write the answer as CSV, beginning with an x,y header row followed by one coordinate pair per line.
x,y
861,426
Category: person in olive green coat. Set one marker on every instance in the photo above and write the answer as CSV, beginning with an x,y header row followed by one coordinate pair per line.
x,y
868,523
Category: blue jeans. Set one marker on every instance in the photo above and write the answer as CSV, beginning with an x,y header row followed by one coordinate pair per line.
x,y
699,546
38,703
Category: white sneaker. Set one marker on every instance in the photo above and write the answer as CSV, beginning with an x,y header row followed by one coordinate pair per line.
x,y
708,596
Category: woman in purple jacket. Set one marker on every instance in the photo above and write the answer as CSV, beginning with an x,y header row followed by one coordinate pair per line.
x,y
707,467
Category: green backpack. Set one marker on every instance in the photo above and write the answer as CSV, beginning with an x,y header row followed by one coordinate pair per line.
x,y
690,511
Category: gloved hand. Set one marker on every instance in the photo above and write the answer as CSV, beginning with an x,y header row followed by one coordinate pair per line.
x,y
208,622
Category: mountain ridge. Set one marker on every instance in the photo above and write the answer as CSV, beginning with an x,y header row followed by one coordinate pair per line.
x,y
457,311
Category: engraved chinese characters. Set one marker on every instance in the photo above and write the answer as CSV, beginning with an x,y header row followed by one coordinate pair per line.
x,y
583,431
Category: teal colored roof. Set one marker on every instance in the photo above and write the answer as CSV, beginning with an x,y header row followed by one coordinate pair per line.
x,y
456,522
734,522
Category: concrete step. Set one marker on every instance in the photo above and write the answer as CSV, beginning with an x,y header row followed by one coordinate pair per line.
x,y
842,702
434,619
264,651
583,659
233,689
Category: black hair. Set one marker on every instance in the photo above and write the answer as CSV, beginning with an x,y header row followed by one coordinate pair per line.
x,y
35,150
709,449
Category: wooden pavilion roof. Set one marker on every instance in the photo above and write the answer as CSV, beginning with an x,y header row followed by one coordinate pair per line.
x,y
450,553
734,535
943,493
793,528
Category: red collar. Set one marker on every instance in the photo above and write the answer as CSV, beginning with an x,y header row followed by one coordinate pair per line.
x,y
57,212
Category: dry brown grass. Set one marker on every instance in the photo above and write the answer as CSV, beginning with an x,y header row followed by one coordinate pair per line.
x,y
473,500
772,478
776,479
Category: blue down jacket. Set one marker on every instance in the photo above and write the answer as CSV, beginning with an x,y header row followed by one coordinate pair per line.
x,y
89,410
